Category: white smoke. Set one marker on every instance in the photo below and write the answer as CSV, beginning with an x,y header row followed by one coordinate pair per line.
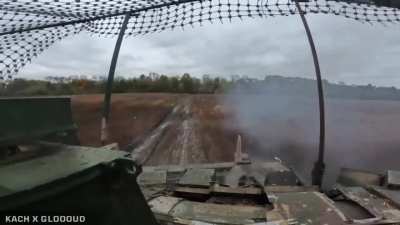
x,y
360,134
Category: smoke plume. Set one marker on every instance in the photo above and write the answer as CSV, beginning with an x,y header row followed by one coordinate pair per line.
x,y
360,134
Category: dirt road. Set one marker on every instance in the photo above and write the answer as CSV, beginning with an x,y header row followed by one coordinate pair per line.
x,y
160,128
175,141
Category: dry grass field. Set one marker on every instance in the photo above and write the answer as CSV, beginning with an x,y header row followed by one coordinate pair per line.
x,y
131,117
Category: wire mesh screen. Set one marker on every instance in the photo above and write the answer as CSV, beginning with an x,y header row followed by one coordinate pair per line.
x,y
16,50
27,27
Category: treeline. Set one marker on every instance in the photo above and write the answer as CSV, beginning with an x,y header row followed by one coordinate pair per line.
x,y
153,82
295,86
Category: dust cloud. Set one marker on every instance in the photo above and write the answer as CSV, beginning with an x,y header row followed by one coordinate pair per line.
x,y
360,134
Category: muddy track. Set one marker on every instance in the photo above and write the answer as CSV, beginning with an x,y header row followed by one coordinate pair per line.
x,y
175,141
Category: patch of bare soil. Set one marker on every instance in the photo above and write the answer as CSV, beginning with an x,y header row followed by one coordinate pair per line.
x,y
186,136
132,116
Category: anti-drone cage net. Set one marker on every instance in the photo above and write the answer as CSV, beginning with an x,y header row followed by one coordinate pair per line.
x,y
28,27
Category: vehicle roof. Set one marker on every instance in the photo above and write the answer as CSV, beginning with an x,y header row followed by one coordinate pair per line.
x,y
60,161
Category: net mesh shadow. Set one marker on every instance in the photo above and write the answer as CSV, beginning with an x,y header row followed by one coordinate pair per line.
x,y
28,27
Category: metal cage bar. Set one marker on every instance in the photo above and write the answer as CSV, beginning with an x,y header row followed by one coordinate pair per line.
x,y
109,85
319,166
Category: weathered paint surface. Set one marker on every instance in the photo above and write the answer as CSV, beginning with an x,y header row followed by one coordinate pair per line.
x,y
152,178
190,190
285,189
261,172
379,207
217,213
287,204
393,179
308,208
241,191
163,204
197,177
351,177
393,195
46,169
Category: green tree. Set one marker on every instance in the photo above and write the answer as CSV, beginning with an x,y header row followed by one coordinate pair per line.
x,y
174,84
163,84
187,83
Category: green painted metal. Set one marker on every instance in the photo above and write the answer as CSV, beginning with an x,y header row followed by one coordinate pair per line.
x,y
96,183
218,213
27,119
63,161
197,177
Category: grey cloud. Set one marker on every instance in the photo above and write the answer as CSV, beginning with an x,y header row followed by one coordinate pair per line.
x,y
349,51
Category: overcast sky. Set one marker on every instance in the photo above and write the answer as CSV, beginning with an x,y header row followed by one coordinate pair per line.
x,y
349,51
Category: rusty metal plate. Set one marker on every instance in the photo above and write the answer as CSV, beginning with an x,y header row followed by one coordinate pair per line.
x,y
307,208
218,213
197,177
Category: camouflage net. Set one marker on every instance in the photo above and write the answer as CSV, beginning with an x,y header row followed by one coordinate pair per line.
x,y
27,27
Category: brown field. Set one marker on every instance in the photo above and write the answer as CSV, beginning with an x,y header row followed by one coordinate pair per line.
x,y
131,117
180,129
170,129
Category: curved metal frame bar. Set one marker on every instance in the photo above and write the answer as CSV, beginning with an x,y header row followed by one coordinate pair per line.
x,y
107,95
319,166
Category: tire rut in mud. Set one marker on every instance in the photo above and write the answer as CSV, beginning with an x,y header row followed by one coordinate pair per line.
x,y
175,141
